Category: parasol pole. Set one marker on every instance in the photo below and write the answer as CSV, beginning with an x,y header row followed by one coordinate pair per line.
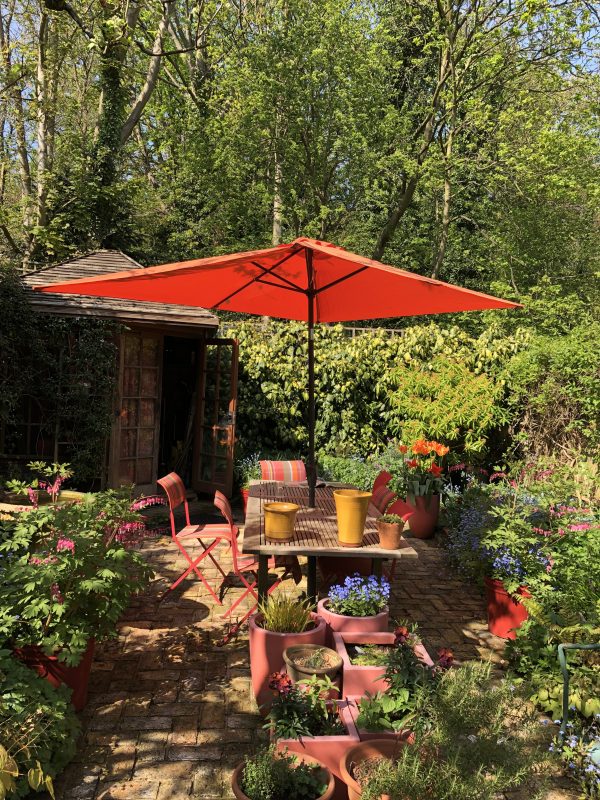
x,y
310,294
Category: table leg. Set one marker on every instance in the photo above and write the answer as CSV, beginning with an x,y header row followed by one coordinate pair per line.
x,y
263,577
377,567
311,580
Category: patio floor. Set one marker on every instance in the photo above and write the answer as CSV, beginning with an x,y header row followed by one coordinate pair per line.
x,y
170,713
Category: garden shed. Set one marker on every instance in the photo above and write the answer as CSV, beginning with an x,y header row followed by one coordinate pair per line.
x,y
175,390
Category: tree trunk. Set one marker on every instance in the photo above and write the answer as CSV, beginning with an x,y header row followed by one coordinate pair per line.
x,y
445,229
41,89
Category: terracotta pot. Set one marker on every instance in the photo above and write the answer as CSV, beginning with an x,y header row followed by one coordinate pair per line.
x,y
245,493
358,680
57,672
422,517
300,672
505,614
266,653
305,759
341,623
279,521
351,506
329,750
366,751
390,534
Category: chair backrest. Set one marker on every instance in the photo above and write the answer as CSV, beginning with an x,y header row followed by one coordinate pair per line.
x,y
288,471
175,490
222,503
382,495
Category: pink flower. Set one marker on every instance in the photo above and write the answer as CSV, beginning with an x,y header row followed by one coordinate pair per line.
x,y
65,544
56,593
445,658
542,532
35,560
280,683
401,634
146,502
550,565
496,476
33,498
582,526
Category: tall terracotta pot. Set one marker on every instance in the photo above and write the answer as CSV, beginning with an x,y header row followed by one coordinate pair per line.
x,y
351,506
366,751
266,653
505,614
422,516
57,672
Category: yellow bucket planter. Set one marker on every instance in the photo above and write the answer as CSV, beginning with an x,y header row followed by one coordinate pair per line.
x,y
279,521
351,507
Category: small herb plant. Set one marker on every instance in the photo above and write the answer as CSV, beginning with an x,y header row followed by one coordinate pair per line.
x,y
368,655
303,708
269,775
359,596
285,614
50,478
391,519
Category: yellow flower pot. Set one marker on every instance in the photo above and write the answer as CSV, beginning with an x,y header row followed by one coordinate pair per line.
x,y
351,506
279,521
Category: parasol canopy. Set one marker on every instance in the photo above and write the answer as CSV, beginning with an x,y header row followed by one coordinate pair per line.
x,y
306,280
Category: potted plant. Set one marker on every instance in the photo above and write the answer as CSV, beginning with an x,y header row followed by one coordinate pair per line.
x,y
365,656
417,477
246,470
359,604
475,738
271,775
304,719
281,622
409,682
304,660
351,506
389,528
69,575
46,486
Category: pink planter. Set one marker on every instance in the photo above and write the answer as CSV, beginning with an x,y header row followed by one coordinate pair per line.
x,y
423,515
266,654
405,736
314,762
358,680
505,614
56,672
340,623
245,493
329,750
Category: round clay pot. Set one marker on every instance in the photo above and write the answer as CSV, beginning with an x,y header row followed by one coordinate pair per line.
x,y
351,506
423,521
505,614
327,795
342,624
300,672
390,534
266,653
279,521
376,748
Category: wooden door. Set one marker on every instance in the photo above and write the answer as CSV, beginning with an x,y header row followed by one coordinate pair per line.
x,y
215,422
135,440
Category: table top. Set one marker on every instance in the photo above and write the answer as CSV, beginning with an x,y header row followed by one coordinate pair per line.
x,y
316,528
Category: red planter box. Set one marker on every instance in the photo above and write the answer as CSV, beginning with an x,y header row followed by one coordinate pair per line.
x,y
357,680
505,614
56,672
340,623
329,750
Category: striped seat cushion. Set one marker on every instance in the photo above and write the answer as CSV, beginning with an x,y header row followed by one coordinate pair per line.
x,y
288,471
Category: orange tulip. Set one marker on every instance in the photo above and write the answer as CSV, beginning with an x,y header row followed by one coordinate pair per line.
x,y
403,448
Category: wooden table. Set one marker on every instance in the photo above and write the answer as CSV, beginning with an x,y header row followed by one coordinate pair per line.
x,y
315,533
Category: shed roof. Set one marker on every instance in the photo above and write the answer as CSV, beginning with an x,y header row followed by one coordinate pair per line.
x,y
102,262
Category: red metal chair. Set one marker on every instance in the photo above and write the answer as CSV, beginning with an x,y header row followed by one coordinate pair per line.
x,y
241,565
288,471
175,491
383,496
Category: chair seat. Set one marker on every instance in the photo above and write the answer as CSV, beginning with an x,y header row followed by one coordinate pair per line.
x,y
251,563
212,530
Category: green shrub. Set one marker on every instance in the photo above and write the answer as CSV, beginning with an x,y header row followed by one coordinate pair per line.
x,y
38,726
355,470
271,776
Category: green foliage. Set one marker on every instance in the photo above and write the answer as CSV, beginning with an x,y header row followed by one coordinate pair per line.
x,y
284,614
247,469
303,708
269,775
38,727
69,573
355,470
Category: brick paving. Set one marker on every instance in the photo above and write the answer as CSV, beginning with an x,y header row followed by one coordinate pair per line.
x,y
170,713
